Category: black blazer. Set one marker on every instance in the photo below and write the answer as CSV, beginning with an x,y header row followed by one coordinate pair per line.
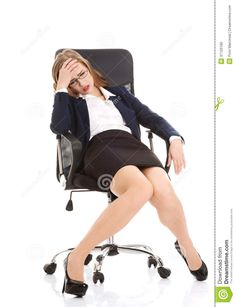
x,y
71,114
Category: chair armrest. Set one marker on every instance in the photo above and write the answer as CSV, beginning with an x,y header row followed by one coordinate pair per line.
x,y
68,154
150,137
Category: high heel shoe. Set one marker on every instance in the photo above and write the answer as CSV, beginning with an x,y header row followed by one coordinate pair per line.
x,y
71,286
200,274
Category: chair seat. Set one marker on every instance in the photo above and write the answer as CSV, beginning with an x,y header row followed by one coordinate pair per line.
x,y
81,181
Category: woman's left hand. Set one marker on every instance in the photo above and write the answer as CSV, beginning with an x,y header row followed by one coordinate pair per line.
x,y
176,153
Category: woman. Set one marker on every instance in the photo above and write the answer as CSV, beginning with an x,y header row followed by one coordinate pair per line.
x,y
106,120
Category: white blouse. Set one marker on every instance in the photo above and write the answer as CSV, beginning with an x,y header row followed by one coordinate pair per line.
x,y
103,115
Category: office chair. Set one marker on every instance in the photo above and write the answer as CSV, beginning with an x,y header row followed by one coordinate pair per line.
x,y
117,66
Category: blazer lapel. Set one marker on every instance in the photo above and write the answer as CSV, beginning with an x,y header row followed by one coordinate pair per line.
x,y
119,104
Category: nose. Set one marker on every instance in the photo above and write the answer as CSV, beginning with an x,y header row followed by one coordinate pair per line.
x,y
82,82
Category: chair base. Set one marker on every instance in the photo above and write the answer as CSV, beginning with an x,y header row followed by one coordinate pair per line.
x,y
111,249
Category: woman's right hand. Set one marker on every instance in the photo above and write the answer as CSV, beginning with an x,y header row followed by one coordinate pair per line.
x,y
66,73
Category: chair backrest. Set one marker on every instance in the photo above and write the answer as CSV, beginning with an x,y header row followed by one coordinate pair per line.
x,y
116,65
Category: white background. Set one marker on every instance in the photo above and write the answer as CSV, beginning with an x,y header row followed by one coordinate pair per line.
x,y
172,46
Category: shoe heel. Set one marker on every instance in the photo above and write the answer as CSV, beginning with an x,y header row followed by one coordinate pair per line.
x,y
200,274
71,286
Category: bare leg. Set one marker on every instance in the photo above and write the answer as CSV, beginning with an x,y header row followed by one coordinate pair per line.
x,y
171,213
134,190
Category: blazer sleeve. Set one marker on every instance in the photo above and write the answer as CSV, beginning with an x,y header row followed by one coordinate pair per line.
x,y
61,115
150,119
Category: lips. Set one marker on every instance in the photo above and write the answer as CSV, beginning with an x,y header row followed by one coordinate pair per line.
x,y
86,88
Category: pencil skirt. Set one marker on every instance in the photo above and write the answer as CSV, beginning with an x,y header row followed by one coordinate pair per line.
x,y
111,150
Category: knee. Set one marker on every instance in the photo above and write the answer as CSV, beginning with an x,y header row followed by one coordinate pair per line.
x,y
130,178
143,190
163,192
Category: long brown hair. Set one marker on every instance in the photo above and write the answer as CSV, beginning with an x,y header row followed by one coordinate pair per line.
x,y
99,79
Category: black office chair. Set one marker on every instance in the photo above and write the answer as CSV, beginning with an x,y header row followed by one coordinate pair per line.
x,y
117,66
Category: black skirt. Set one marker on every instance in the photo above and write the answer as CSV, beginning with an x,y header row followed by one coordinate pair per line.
x,y
110,150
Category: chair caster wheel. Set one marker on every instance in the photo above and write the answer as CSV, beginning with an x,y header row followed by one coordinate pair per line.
x,y
152,261
50,268
163,272
98,276
88,259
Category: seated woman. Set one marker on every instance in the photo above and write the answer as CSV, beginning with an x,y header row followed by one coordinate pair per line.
x,y
106,120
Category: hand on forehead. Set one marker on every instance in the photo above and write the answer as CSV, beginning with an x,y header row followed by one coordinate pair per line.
x,y
74,66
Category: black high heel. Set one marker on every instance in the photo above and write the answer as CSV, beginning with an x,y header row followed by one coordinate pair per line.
x,y
200,274
71,286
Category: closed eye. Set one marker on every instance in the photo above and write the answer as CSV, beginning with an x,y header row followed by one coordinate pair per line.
x,y
73,81
82,74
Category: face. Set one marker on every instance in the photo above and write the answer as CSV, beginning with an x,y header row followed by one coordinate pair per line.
x,y
82,81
